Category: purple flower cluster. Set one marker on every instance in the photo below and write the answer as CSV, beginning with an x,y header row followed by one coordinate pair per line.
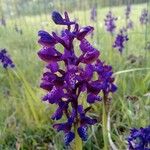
x,y
144,18
110,22
94,13
139,139
69,75
129,24
5,59
120,40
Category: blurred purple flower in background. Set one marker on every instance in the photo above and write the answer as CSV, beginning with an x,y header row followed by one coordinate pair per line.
x,y
94,13
3,21
128,11
120,40
129,22
144,18
110,22
5,59
139,139
65,83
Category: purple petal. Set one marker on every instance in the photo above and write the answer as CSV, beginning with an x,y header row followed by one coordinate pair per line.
x,y
49,77
113,88
84,32
63,33
69,137
66,127
59,126
66,16
58,114
87,120
53,67
88,71
61,40
85,46
71,79
46,39
57,18
80,109
90,57
82,131
54,95
91,98
72,116
59,81
46,86
94,87
49,54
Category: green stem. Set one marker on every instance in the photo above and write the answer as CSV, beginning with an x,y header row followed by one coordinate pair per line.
x,y
111,49
77,145
104,125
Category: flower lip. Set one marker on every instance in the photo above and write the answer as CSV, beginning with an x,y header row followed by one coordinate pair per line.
x,y
49,54
69,137
82,131
58,114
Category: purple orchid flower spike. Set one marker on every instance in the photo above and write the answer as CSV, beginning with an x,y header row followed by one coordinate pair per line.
x,y
139,139
144,18
128,11
129,22
65,84
120,40
5,59
110,22
94,13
